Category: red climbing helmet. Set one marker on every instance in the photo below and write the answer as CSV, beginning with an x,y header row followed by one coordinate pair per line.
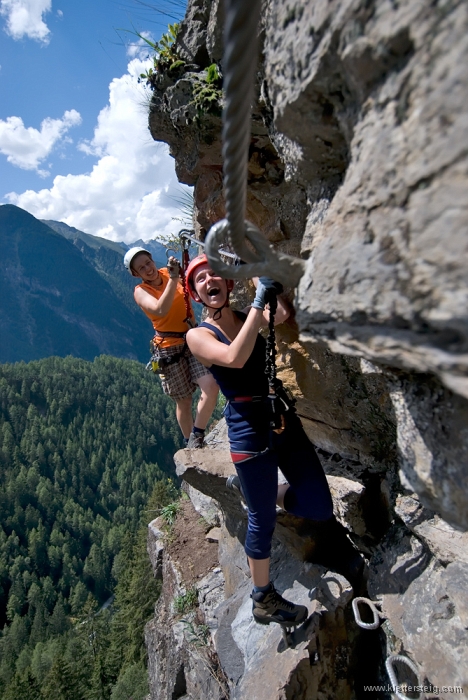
x,y
190,272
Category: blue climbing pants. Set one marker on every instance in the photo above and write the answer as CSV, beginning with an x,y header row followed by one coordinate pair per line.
x,y
257,452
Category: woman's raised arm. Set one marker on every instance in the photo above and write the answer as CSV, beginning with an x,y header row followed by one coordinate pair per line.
x,y
209,351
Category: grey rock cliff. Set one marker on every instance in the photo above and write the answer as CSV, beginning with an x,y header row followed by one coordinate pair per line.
x,y
247,659
358,162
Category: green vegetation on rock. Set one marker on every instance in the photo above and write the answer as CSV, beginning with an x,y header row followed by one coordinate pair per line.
x,y
165,57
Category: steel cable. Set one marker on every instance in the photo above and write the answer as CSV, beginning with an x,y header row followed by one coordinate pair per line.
x,y
239,66
240,61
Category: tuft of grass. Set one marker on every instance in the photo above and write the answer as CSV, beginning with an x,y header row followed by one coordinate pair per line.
x,y
198,635
169,513
186,602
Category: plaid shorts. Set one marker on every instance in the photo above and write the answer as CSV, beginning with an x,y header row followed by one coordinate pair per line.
x,y
178,380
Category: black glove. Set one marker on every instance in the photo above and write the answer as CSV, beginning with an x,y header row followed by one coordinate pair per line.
x,y
271,285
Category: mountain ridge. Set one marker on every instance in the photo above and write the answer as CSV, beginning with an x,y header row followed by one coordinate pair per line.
x,y
55,302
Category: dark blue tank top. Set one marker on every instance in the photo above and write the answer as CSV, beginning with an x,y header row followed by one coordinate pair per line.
x,y
249,380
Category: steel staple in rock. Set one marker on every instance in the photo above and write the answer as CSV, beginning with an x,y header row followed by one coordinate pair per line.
x,y
376,613
271,263
184,236
392,675
239,65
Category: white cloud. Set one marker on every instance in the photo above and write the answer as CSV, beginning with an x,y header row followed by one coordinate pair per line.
x,y
24,18
139,48
27,147
126,195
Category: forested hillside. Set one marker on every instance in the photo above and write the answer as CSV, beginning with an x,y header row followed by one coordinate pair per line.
x,y
83,445
58,300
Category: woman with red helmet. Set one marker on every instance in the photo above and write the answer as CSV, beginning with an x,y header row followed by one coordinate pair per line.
x,y
229,343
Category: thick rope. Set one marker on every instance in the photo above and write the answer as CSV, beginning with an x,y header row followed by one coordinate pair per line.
x,y
183,269
239,65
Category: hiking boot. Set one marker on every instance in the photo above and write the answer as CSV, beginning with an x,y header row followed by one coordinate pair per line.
x,y
269,606
195,441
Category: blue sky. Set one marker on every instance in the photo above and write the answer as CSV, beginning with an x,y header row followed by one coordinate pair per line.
x,y
74,143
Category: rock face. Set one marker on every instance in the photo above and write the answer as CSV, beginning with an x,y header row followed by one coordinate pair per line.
x,y
358,163
417,572
236,651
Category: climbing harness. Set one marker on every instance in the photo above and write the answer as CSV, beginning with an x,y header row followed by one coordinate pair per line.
x,y
158,364
240,60
389,665
376,613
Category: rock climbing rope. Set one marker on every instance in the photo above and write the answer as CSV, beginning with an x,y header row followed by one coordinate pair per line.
x,y
239,65
389,665
189,320
376,613
184,266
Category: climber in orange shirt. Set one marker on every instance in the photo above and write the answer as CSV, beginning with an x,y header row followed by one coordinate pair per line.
x,y
161,297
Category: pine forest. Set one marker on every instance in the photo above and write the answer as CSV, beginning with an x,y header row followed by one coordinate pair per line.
x,y
85,463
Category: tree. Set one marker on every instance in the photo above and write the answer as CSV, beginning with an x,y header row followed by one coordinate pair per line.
x,y
39,625
80,454
79,597
23,687
132,684
62,683
58,621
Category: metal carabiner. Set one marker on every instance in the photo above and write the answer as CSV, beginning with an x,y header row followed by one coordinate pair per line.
x,y
170,250
186,236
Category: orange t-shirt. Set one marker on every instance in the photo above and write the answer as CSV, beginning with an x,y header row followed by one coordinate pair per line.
x,y
174,320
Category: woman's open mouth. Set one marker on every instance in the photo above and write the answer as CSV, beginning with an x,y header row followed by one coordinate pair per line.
x,y
213,291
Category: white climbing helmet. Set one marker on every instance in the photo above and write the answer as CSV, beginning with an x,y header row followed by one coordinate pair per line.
x,y
130,254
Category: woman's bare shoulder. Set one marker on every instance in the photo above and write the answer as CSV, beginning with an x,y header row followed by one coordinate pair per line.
x,y
200,332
